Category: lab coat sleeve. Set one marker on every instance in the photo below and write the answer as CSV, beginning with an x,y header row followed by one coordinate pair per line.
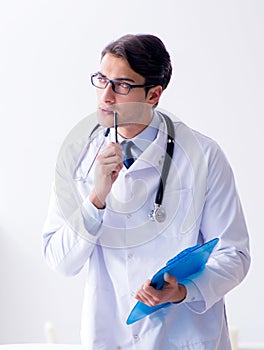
x,y
72,227
67,243
222,217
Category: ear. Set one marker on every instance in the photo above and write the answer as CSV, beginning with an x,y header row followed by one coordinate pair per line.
x,y
154,94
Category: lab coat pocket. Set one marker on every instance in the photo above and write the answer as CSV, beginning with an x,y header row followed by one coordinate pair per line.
x,y
196,331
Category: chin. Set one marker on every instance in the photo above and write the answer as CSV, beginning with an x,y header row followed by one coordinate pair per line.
x,y
105,119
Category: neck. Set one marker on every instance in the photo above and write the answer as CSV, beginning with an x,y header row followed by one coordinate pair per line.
x,y
131,130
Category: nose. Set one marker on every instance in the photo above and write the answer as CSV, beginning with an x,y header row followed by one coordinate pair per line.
x,y
108,95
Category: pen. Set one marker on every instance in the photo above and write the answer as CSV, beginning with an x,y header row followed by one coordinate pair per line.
x,y
115,125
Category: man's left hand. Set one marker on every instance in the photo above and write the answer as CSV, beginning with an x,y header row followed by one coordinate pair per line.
x,y
172,292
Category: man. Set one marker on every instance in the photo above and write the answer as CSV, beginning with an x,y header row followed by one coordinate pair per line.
x,y
102,212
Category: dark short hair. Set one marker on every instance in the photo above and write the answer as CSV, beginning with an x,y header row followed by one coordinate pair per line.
x,y
146,55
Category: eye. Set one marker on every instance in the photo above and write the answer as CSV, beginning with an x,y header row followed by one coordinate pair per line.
x,y
101,79
122,85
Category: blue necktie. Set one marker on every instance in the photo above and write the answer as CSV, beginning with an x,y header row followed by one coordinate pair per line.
x,y
128,159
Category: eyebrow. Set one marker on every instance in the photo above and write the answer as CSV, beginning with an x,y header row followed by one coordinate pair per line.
x,y
119,79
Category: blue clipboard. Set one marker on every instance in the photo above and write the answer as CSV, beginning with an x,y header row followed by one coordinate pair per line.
x,y
188,262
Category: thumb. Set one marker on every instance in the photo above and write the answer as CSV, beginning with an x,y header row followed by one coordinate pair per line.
x,y
169,279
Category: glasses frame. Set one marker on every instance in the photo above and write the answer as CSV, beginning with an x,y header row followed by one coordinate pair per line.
x,y
112,82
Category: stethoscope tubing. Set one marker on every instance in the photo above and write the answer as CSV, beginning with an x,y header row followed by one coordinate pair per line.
x,y
167,160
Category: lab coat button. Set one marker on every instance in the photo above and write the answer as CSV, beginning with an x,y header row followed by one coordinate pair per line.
x,y
132,294
129,216
130,256
136,337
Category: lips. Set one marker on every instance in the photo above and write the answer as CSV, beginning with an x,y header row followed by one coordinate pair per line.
x,y
106,110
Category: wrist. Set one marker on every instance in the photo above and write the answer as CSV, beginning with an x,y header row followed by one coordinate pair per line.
x,y
183,294
96,200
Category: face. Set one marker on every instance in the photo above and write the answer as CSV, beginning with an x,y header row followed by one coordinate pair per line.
x,y
134,111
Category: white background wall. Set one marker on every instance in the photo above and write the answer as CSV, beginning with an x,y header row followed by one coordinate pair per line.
x,y
48,48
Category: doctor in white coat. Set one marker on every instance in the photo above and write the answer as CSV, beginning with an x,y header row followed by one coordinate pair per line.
x,y
102,212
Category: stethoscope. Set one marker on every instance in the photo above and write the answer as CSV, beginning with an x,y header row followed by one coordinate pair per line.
x,y
158,214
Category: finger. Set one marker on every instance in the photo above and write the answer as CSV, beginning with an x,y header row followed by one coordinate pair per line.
x,y
146,298
110,156
147,283
111,169
116,171
111,160
118,167
140,296
111,150
148,289
170,279
154,296
114,147
143,293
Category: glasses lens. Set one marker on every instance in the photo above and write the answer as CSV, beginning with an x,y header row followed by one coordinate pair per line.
x,y
121,88
99,81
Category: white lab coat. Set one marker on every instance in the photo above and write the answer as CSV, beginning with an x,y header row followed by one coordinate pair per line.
x,y
201,203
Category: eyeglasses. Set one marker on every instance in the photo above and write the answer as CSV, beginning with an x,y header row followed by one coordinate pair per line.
x,y
118,86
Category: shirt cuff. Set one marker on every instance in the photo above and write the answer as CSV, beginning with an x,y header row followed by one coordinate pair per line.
x,y
92,216
194,299
193,292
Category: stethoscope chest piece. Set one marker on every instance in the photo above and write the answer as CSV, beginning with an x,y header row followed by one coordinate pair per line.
x,y
158,214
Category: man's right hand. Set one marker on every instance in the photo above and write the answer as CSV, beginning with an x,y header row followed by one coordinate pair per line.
x,y
109,162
